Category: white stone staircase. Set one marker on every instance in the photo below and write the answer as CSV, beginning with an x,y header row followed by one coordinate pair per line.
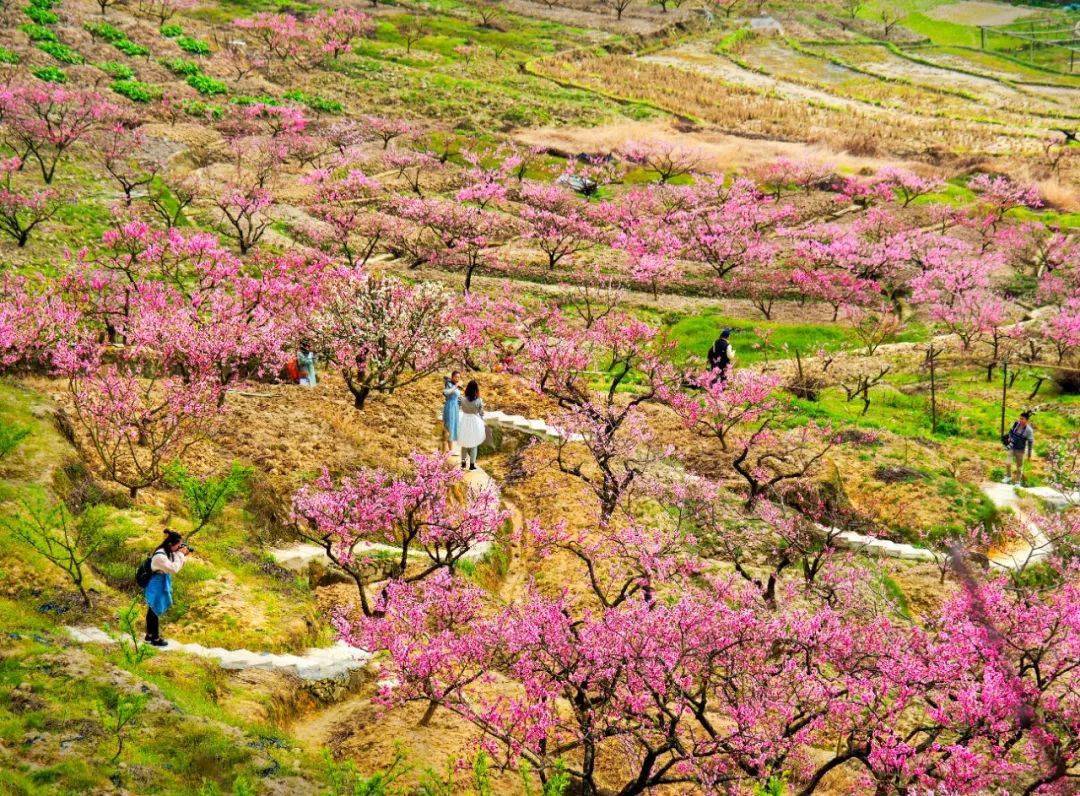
x,y
318,663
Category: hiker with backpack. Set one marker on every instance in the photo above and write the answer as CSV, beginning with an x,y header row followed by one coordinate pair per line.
x,y
1019,442
721,356
154,575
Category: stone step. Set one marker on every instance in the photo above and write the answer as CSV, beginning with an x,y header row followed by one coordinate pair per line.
x,y
318,663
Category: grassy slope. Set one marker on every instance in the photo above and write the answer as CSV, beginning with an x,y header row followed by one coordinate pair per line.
x,y
200,731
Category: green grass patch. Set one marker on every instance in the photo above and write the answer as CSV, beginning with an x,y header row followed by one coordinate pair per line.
x,y
37,33
181,66
170,30
50,74
756,341
7,56
315,102
61,52
247,99
206,85
202,109
116,37
136,90
116,70
128,47
41,16
193,46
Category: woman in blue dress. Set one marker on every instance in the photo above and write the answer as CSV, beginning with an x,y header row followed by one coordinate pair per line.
x,y
165,562
451,399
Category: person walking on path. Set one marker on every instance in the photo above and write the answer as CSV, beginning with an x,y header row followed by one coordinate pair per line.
x,y
305,360
1019,442
167,560
471,431
721,356
451,405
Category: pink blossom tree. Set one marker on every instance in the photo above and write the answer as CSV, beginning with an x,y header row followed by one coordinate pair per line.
x,y
998,195
959,295
120,150
668,160
43,123
727,226
383,333
783,175
454,236
907,185
348,208
164,10
135,419
281,37
720,406
557,222
412,166
384,130
335,31
700,682
419,514
606,441
22,208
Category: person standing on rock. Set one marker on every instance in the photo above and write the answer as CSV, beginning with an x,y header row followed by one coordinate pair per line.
x,y
721,356
167,560
471,428
450,409
1019,442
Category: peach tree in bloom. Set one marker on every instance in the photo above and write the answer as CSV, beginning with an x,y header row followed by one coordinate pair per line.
x,y
422,519
563,360
693,679
41,124
383,333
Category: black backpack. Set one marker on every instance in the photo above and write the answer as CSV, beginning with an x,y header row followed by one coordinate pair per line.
x,y
143,573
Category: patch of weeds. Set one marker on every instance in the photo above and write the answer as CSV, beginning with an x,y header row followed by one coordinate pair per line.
x,y
203,109
42,16
128,47
206,85
181,66
116,37
896,474
7,56
247,99
103,30
11,435
315,102
193,46
37,32
50,74
171,30
117,70
61,52
136,90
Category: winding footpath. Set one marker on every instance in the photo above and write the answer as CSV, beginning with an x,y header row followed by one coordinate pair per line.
x,y
318,663
339,659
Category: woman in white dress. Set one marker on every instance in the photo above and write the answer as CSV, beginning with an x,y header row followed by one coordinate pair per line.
x,y
471,430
